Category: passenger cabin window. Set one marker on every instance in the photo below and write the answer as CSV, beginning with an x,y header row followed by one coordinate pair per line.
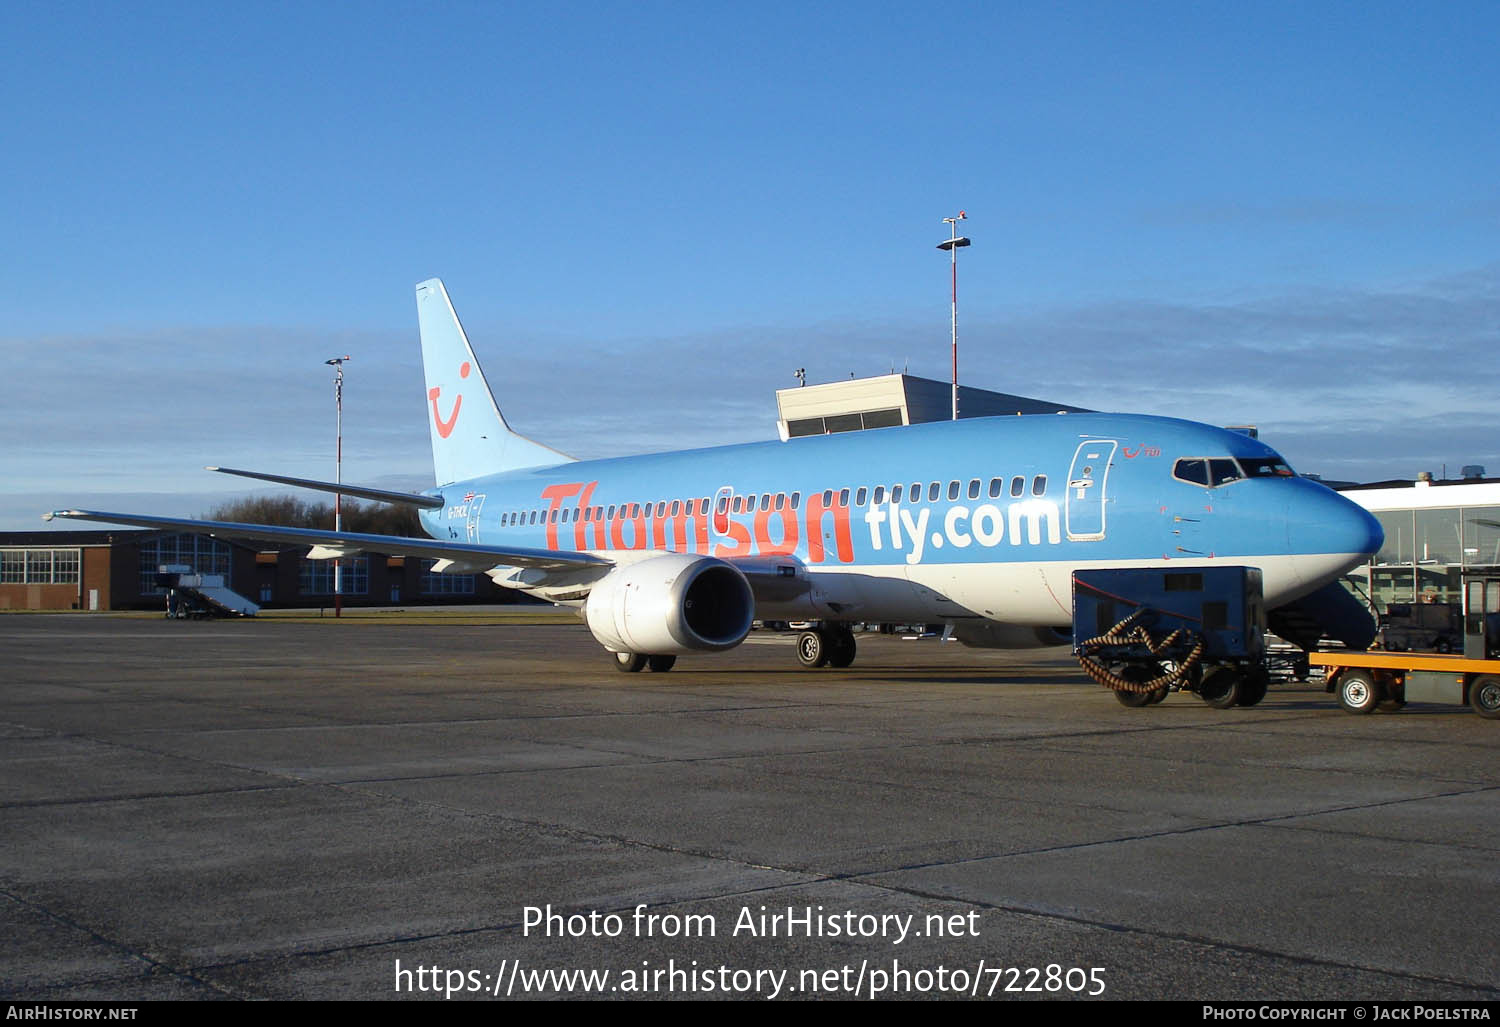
x,y
1017,485
1039,485
843,497
953,490
860,497
879,495
896,493
796,500
974,489
933,491
995,488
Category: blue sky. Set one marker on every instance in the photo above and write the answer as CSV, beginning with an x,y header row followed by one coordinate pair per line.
x,y
649,214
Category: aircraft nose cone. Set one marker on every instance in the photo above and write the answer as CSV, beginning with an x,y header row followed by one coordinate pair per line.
x,y
1330,534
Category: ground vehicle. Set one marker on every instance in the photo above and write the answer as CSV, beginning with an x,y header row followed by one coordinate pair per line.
x,y
1145,631
1437,627
1386,680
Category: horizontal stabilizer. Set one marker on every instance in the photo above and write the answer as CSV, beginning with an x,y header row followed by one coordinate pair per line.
x,y
379,495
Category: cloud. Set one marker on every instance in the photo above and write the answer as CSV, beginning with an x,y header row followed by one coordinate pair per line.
x,y
1366,383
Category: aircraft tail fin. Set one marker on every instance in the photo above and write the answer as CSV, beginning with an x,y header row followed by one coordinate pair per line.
x,y
469,434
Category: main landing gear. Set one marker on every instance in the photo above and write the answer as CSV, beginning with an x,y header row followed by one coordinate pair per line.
x,y
830,645
634,663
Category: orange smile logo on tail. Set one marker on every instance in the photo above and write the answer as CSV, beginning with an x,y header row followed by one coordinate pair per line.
x,y
445,427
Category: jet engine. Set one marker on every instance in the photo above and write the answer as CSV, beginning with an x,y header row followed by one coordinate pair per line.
x,y
676,603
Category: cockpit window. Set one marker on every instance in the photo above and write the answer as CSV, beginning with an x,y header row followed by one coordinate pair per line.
x,y
1266,467
1222,472
1211,472
1192,471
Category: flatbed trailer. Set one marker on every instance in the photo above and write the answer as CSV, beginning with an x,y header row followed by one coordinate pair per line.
x,y
1369,681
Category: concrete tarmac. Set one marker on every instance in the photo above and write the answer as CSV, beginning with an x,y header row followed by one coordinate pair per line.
x,y
368,810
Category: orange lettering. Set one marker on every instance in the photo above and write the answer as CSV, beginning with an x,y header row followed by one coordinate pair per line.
x,y
843,540
557,493
788,543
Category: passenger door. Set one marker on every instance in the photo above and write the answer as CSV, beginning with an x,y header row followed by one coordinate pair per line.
x,y
1087,479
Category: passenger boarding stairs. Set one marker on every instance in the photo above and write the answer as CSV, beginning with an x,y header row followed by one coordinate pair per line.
x,y
205,591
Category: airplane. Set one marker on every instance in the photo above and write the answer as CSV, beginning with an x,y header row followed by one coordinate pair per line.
x,y
977,524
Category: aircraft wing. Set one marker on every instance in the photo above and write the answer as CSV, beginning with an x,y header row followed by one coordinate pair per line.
x,y
345,543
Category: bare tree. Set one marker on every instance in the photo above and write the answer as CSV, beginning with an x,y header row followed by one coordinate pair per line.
x,y
291,512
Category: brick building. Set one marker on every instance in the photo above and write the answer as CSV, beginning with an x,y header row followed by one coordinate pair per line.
x,y
116,570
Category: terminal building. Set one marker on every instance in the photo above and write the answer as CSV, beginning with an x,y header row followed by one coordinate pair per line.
x,y
893,399
1434,531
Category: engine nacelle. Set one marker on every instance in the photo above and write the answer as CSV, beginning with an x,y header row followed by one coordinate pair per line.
x,y
676,603
990,635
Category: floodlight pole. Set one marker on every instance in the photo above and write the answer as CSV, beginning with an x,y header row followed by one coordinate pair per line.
x,y
338,475
951,244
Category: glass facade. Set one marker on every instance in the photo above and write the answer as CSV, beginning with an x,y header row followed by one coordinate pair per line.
x,y
39,566
1425,550
316,577
203,554
445,584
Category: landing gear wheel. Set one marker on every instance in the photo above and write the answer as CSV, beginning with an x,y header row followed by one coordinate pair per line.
x,y
1221,687
661,664
841,647
630,663
812,649
1359,692
1253,687
1484,696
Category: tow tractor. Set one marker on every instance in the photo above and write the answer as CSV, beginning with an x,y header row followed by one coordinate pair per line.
x,y
1371,681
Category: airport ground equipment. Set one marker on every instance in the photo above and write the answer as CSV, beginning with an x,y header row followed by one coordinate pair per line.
x,y
1144,632
201,595
1435,627
1369,681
